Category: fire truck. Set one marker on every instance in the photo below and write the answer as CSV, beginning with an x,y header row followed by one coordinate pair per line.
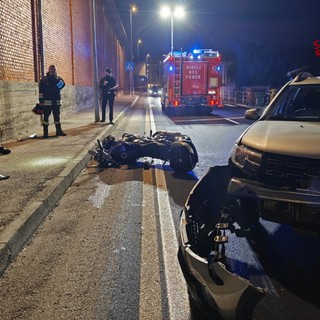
x,y
191,80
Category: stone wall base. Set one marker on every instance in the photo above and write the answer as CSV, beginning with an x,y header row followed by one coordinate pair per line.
x,y
18,98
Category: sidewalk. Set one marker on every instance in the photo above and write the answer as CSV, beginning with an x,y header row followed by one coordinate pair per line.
x,y
41,170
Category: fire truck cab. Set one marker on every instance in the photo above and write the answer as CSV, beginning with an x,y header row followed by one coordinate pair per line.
x,y
191,80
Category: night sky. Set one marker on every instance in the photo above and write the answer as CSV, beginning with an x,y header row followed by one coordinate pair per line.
x,y
220,23
229,26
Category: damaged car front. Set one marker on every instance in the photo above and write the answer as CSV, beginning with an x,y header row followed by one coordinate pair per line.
x,y
274,175
220,282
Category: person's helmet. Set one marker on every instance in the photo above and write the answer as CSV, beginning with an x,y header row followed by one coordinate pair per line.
x,y
38,109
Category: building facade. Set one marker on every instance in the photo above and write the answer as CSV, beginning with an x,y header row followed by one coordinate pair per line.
x,y
81,37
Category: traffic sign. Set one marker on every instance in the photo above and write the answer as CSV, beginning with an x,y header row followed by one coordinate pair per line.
x,y
129,66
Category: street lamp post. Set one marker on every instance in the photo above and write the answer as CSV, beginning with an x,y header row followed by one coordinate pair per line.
x,y
147,66
172,12
132,9
94,61
138,44
171,33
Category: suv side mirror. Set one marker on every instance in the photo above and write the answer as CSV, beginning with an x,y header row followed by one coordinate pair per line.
x,y
252,114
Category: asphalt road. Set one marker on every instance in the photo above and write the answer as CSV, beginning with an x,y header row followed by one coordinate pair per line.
x,y
108,249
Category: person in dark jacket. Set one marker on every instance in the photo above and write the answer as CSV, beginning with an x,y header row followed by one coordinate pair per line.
x,y
108,86
50,98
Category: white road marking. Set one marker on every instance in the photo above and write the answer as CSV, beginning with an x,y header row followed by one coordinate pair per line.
x,y
178,300
235,122
102,192
208,119
150,305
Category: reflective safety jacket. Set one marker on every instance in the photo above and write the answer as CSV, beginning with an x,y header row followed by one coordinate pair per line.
x,y
49,90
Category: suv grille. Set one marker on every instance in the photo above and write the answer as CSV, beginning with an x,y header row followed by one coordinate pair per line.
x,y
288,171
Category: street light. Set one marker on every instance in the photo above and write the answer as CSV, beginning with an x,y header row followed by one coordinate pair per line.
x,y
138,44
172,12
147,65
132,10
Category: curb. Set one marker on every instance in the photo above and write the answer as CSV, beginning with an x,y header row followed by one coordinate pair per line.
x,y
19,231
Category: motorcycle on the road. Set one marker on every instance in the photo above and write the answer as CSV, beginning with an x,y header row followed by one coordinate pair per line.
x,y
170,146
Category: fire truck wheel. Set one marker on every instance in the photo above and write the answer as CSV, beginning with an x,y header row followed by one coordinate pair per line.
x,y
182,157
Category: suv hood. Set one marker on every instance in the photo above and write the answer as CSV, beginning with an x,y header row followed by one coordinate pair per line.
x,y
294,138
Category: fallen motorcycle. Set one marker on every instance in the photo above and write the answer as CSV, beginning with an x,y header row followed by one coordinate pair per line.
x,y
170,146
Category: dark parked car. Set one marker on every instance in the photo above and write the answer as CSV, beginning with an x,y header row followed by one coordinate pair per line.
x,y
155,91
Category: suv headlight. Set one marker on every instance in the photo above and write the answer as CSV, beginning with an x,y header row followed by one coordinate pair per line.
x,y
246,159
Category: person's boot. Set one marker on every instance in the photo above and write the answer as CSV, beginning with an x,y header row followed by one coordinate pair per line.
x,y
59,131
45,131
4,150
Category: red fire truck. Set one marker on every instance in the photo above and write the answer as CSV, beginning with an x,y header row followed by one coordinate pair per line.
x,y
191,80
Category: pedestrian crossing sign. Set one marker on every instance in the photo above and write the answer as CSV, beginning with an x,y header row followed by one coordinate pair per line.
x,y
129,66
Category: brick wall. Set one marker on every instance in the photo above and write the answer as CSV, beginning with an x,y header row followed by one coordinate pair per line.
x,y
57,39
66,29
81,36
16,41
106,43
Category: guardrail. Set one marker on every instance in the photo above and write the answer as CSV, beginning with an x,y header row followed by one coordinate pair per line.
x,y
247,97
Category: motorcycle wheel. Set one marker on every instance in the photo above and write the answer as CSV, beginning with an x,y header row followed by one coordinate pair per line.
x,y
182,157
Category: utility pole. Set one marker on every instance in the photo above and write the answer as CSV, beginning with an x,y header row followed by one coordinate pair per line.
x,y
94,61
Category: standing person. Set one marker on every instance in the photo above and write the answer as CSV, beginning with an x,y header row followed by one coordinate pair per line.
x,y
108,86
50,97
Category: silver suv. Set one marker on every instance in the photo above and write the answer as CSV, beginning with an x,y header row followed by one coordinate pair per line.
x,y
275,164
273,173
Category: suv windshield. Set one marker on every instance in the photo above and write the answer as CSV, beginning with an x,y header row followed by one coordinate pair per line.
x,y
297,103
